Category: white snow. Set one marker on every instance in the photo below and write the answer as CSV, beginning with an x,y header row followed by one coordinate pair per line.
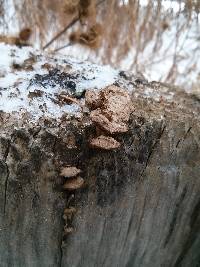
x,y
166,5
15,84
155,66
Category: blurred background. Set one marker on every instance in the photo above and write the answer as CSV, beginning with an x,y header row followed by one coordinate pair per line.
x,y
160,38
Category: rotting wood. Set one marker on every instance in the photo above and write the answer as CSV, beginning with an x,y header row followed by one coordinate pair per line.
x,y
139,205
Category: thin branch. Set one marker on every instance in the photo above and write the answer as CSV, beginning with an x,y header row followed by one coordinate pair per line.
x,y
62,47
76,19
68,99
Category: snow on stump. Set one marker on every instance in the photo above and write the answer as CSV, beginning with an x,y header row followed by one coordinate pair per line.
x,y
136,146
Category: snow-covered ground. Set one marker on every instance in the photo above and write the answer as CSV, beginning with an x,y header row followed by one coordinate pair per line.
x,y
30,77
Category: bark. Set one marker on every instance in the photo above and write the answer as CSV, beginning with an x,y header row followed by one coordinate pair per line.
x,y
140,205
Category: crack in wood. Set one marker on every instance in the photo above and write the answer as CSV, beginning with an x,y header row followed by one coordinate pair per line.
x,y
34,136
191,237
7,177
61,252
175,217
181,140
152,150
184,137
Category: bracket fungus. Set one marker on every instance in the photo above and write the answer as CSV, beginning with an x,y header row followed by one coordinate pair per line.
x,y
116,103
69,172
110,108
92,99
74,183
68,230
70,210
110,113
68,213
105,124
104,142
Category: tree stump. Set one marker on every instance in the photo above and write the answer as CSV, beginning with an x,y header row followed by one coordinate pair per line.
x,y
140,203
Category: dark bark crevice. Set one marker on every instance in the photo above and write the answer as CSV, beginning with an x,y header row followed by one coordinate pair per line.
x,y
152,149
191,238
5,189
7,177
184,137
173,224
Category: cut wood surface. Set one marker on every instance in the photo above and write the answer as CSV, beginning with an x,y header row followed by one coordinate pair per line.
x,y
139,204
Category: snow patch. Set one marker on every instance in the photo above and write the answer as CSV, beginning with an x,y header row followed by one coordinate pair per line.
x,y
17,85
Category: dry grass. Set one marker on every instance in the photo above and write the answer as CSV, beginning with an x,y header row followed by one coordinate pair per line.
x,y
128,29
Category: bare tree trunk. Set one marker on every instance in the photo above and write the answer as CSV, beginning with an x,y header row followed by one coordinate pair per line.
x,y
141,202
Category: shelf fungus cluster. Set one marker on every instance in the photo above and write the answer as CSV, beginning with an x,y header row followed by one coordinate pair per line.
x,y
74,181
110,112
68,217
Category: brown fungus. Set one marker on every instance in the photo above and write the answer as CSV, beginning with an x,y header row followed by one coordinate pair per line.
x,y
104,142
92,99
68,230
110,109
70,210
68,213
74,183
105,124
116,103
69,171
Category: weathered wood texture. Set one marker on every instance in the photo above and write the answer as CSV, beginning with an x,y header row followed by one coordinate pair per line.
x,y
140,205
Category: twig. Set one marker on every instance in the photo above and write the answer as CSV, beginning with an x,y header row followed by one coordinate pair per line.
x,y
76,19
62,47
67,99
